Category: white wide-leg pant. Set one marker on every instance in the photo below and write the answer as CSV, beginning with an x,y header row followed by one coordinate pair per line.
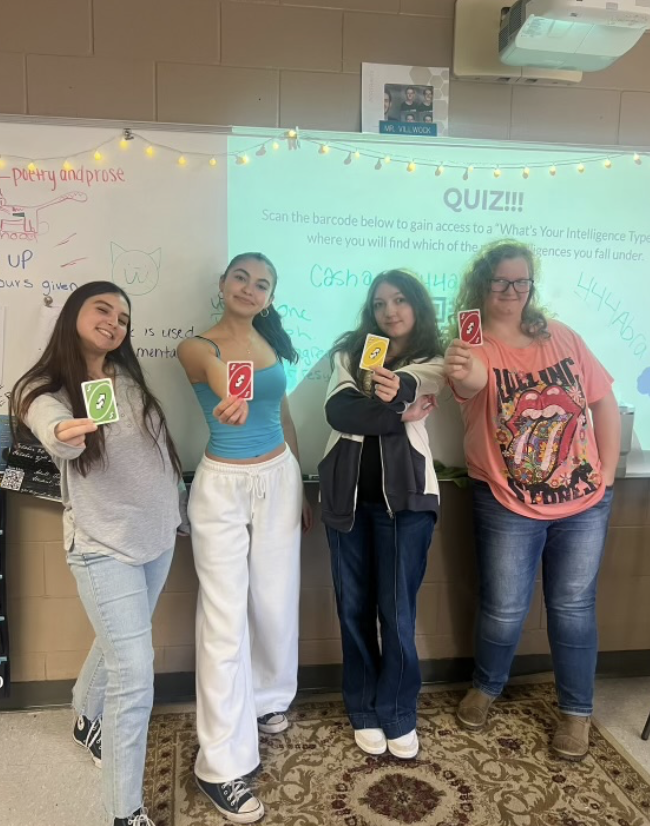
x,y
246,522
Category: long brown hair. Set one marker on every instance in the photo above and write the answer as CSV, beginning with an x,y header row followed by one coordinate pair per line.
x,y
424,341
268,323
62,367
475,286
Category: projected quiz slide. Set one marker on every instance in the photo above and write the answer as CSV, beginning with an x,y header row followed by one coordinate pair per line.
x,y
333,215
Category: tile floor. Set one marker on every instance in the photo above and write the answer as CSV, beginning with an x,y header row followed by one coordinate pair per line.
x,y
46,780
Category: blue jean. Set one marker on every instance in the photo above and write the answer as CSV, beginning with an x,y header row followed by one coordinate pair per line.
x,y
377,570
116,681
509,548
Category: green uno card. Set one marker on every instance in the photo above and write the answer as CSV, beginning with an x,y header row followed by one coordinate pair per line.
x,y
100,401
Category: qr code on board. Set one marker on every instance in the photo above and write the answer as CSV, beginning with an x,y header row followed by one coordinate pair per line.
x,y
12,478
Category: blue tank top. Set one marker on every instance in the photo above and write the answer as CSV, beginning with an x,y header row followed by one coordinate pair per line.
x,y
262,432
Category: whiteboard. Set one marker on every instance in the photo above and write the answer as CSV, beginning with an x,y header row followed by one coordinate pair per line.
x,y
165,231
155,227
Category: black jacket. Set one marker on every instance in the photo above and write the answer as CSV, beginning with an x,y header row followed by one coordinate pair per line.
x,y
408,479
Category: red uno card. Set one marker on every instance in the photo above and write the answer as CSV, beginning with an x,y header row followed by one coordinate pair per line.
x,y
469,327
240,379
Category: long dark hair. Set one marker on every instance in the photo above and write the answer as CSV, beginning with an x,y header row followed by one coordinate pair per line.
x,y
475,286
269,324
63,367
424,341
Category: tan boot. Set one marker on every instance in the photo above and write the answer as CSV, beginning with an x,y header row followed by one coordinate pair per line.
x,y
472,712
571,739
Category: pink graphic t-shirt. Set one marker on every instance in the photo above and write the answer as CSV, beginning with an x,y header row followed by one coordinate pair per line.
x,y
528,433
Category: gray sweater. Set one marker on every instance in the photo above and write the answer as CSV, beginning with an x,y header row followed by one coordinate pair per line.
x,y
128,509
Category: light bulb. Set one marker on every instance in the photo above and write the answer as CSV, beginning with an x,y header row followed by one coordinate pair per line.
x,y
357,154
275,145
581,168
497,173
387,159
324,149
98,155
552,170
637,158
212,161
411,167
149,150
31,166
526,172
440,170
607,164
124,143
67,166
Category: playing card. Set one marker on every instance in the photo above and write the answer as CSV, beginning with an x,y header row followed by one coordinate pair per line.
x,y
99,397
374,352
469,327
240,379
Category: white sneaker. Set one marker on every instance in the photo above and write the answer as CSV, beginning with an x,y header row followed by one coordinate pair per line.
x,y
273,723
370,740
404,747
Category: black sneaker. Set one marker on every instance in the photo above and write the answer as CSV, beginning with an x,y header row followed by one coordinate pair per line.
x,y
138,818
234,800
273,723
88,735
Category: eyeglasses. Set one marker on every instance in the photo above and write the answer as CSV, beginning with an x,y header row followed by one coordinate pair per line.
x,y
502,285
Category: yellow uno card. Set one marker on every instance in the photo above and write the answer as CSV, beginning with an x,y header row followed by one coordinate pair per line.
x,y
374,352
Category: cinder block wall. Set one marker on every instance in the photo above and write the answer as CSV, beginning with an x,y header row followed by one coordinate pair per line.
x,y
286,63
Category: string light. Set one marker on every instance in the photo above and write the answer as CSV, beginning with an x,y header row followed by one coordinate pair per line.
x,y
162,151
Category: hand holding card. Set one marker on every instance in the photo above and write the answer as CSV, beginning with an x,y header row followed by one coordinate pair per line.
x,y
240,379
469,327
99,397
374,352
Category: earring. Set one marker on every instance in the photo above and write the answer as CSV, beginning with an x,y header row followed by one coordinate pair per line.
x,y
264,312
220,295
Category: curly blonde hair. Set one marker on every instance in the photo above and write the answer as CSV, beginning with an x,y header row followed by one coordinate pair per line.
x,y
475,286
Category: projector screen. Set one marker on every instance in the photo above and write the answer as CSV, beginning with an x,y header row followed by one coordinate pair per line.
x,y
331,211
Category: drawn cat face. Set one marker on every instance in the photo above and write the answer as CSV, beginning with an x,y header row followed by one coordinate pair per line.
x,y
135,271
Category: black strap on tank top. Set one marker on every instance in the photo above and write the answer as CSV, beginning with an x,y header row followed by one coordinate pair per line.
x,y
203,338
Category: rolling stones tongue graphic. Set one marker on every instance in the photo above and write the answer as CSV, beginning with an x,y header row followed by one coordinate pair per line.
x,y
542,426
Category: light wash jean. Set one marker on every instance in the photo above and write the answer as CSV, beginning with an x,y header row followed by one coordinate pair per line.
x,y
509,548
116,681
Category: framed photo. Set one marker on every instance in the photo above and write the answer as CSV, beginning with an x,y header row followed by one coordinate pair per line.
x,y
412,95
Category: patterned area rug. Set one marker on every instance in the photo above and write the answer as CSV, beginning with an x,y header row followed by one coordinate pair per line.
x,y
314,773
